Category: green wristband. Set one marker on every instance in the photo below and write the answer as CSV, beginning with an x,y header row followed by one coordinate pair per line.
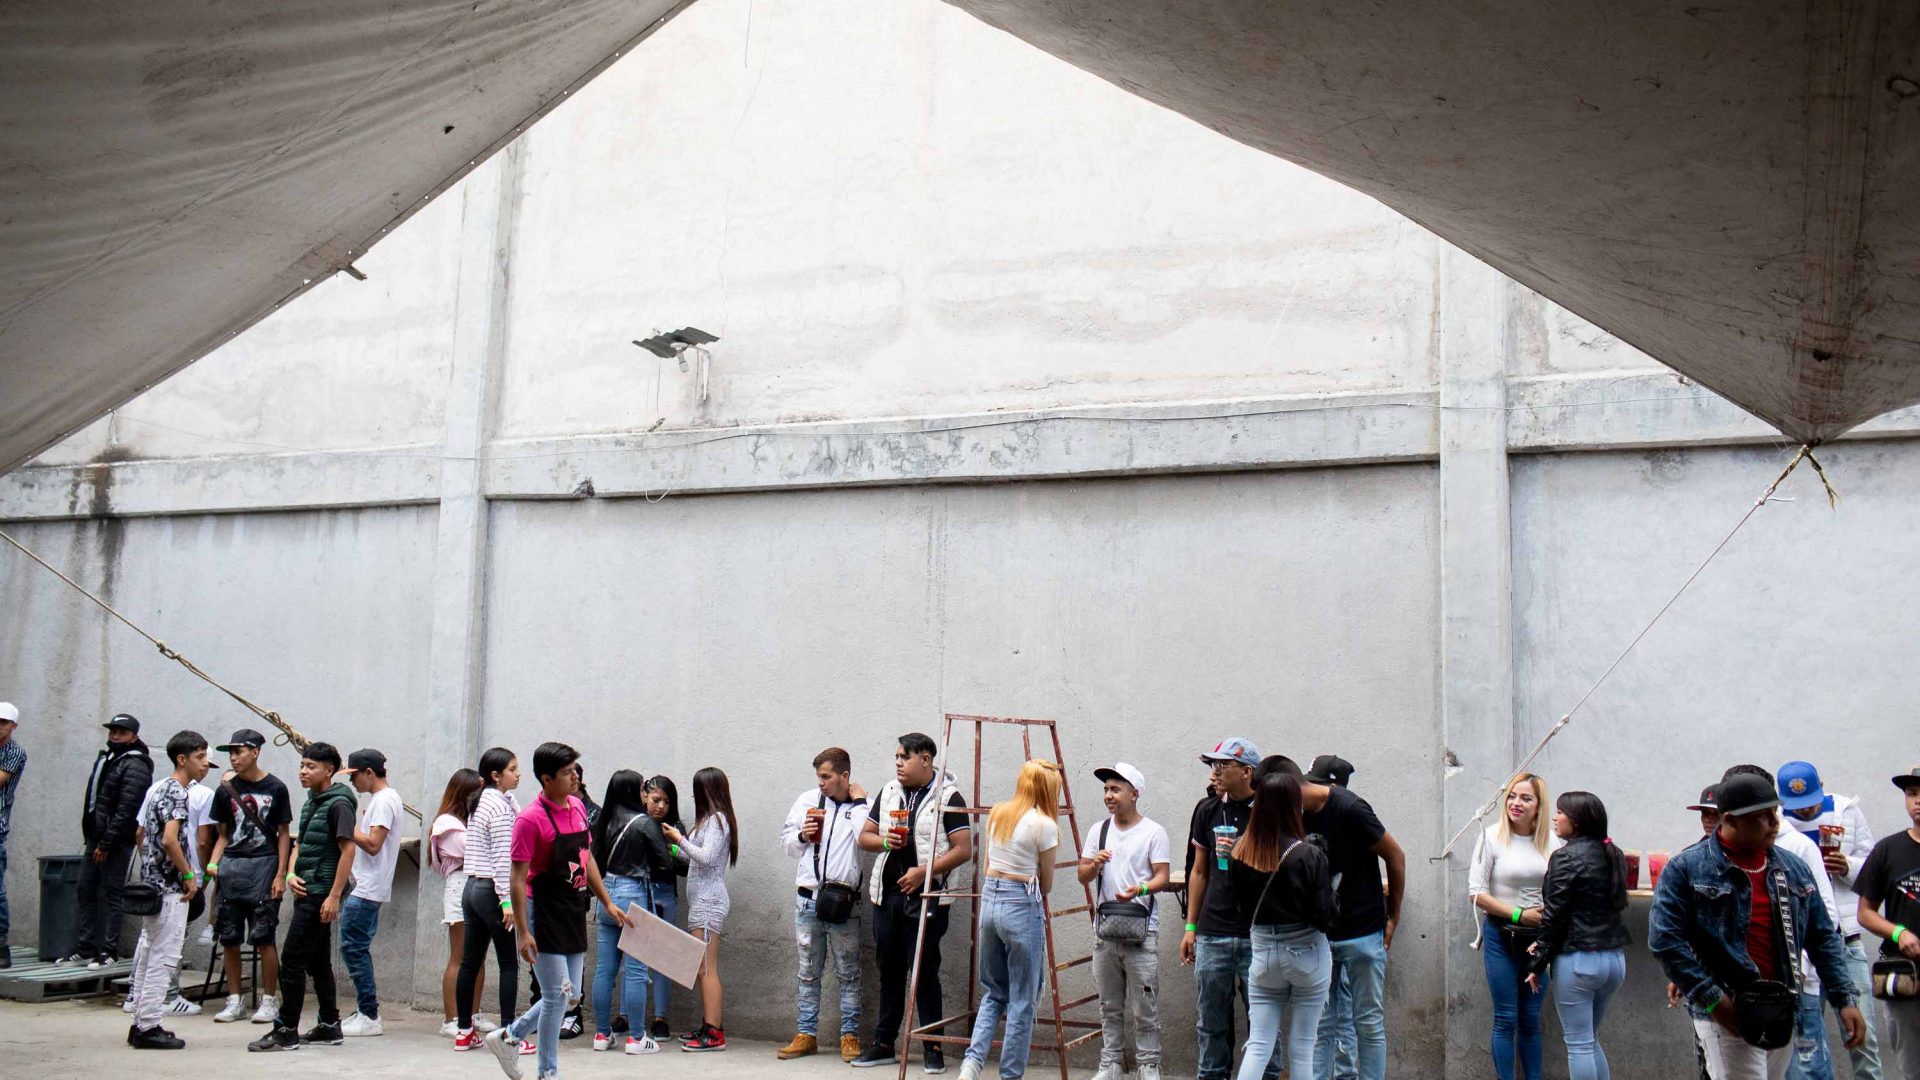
x,y
1715,1005
1192,929
1897,931
290,876
1516,915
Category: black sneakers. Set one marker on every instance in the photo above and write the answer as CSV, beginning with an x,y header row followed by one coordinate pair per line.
x,y
620,1024
877,1054
323,1034
154,1038
570,1024
280,1038
660,1031
936,1059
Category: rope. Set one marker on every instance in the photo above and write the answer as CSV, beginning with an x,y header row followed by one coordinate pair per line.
x,y
288,735
1833,497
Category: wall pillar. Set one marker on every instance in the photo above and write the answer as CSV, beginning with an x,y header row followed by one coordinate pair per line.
x,y
1476,643
490,201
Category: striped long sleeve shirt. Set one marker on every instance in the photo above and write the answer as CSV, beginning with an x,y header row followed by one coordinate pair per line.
x,y
490,840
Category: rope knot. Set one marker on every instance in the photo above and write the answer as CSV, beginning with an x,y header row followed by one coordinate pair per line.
x,y
166,652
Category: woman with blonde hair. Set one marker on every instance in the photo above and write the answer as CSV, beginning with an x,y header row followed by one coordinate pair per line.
x,y
1503,882
1022,835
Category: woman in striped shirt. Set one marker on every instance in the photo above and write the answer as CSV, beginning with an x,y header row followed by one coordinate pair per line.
x,y
488,902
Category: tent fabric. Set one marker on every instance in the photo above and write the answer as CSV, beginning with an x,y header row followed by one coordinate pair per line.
x,y
1730,188
171,171
1734,189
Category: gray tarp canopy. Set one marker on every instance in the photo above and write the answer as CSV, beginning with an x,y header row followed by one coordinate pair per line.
x,y
1733,189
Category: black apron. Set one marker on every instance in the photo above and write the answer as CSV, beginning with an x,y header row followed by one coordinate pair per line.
x,y
560,894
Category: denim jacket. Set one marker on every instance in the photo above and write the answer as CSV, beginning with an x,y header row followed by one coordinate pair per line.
x,y
1698,928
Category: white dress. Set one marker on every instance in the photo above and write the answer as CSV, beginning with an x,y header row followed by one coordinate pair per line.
x,y
707,849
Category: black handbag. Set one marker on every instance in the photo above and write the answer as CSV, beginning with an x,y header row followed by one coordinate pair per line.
x,y
833,900
1767,1011
139,898
1897,979
1123,922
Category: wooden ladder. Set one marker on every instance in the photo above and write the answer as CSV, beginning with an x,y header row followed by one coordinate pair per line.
x,y
1058,1022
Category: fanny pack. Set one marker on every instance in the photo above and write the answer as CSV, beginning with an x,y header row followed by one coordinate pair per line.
x,y
1897,979
1123,922
1517,938
833,901
1768,1009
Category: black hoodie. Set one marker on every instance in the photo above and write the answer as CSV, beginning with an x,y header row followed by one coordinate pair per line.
x,y
117,785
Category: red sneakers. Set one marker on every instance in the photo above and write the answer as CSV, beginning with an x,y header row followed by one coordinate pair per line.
x,y
527,1048
706,1040
466,1040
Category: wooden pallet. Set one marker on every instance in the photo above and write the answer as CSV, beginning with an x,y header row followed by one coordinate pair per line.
x,y
32,979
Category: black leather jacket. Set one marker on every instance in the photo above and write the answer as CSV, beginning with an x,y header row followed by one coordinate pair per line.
x,y
638,852
1580,903
113,801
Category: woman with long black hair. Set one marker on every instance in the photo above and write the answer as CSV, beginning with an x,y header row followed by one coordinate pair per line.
x,y
1284,886
487,904
620,846
713,846
1581,932
667,864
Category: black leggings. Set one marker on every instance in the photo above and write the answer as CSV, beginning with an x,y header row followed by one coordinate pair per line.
x,y
485,925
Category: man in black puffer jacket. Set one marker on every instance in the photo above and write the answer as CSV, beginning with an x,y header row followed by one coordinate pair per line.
x,y
121,775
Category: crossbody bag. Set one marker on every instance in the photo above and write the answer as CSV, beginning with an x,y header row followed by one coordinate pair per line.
x,y
1123,922
832,900
1768,1008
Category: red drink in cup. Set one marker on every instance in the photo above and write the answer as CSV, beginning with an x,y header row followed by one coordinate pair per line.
x,y
898,830
1831,837
1656,862
1633,868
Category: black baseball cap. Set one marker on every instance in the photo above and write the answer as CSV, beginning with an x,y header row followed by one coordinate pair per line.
x,y
1331,769
366,759
243,737
1709,798
1745,793
123,720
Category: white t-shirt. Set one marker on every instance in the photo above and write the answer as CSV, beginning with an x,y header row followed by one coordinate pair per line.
x,y
199,812
1136,850
1019,855
373,874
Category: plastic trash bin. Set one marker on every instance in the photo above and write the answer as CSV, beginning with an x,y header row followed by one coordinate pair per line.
x,y
59,904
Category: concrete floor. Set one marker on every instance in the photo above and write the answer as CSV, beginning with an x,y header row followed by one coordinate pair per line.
x,y
85,1040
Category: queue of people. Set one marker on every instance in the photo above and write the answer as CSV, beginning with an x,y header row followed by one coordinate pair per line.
x,y
1293,892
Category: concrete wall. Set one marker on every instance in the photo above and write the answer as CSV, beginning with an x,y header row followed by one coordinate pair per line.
x,y
1031,398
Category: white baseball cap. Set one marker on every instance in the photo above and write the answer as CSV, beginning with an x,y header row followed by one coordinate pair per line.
x,y
9,712
1126,772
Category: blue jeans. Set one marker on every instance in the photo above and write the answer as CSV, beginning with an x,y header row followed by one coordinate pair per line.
x,y
815,940
1013,956
6,916
1292,968
1339,1013
1516,1009
1362,963
1220,966
359,921
1811,1058
1583,984
666,905
610,962
542,1020
1865,1058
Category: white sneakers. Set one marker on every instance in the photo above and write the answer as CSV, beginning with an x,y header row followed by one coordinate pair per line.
x,y
358,1026
642,1044
235,1011
505,1052
1149,1072
1110,1072
483,1023
601,1042
269,1009
970,1069
179,1006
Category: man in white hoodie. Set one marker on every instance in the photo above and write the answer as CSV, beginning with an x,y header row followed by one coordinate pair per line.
x,y
1812,811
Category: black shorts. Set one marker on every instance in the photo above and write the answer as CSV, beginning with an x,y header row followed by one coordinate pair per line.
x,y
244,909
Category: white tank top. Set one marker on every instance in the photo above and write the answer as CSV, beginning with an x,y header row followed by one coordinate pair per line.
x,y
1019,855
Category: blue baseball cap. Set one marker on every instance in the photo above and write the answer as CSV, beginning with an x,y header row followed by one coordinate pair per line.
x,y
1234,749
1800,785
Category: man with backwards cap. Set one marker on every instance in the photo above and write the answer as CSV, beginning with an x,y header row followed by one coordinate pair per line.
x,y
121,775
1332,770
1128,856
377,837
13,762
1889,889
1812,810
1731,916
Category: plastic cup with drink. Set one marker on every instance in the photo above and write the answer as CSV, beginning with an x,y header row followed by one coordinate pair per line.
x,y
897,828
1831,837
1223,837
815,816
